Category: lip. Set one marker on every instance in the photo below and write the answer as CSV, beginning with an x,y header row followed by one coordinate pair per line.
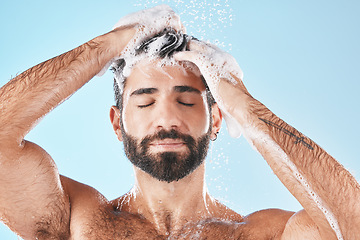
x,y
168,144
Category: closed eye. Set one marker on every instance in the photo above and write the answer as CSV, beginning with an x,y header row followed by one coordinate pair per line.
x,y
186,104
146,105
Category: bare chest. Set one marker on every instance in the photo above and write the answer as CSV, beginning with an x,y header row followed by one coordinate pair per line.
x,y
119,225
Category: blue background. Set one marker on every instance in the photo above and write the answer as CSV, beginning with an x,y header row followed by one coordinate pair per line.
x,y
300,58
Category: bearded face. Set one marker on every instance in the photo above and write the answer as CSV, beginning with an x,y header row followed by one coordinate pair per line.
x,y
165,119
166,166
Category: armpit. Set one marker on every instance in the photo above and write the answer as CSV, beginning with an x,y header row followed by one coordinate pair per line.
x,y
53,226
300,226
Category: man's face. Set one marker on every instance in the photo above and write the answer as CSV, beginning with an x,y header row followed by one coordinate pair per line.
x,y
165,120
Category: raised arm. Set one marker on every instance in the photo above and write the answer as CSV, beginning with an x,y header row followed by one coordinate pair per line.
x,y
328,192
33,202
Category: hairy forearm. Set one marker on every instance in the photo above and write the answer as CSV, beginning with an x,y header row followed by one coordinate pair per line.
x,y
322,185
29,96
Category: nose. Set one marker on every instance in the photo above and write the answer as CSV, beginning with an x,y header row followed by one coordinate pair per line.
x,y
167,116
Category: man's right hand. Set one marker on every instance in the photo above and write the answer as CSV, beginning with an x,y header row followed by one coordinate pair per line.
x,y
144,24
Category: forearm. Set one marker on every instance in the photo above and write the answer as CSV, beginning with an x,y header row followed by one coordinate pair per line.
x,y
35,92
318,181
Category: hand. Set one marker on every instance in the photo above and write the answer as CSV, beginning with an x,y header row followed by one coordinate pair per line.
x,y
146,23
216,66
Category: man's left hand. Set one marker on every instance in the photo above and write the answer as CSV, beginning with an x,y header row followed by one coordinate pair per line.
x,y
222,75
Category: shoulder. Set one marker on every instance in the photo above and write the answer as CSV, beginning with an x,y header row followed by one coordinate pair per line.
x,y
81,195
280,224
266,224
269,217
87,206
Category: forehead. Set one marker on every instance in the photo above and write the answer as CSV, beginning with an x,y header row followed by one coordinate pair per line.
x,y
154,73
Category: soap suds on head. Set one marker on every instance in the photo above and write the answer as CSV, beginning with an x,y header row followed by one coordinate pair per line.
x,y
157,49
146,23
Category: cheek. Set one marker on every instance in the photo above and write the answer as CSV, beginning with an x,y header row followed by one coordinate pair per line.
x,y
129,119
202,119
125,121
207,121
133,123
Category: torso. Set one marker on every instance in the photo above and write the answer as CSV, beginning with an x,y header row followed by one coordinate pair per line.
x,y
108,223
93,217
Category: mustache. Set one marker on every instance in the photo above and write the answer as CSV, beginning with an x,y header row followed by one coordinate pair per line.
x,y
163,134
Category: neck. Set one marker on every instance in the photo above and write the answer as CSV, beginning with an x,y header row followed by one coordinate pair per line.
x,y
169,206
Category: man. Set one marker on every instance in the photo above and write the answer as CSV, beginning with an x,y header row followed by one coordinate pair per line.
x,y
165,116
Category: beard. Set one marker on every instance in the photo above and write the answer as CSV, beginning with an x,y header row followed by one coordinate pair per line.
x,y
167,166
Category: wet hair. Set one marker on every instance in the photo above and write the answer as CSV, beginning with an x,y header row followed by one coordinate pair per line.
x,y
171,42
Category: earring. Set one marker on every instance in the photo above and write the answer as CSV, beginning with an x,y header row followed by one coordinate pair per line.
x,y
214,139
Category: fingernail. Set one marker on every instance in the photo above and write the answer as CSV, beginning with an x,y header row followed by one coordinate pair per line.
x,y
178,55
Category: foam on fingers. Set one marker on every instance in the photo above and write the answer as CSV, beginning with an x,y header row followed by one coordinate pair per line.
x,y
215,65
147,22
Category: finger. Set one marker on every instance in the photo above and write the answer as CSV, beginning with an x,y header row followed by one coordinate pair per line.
x,y
161,16
191,56
196,45
183,28
165,15
199,59
175,23
201,46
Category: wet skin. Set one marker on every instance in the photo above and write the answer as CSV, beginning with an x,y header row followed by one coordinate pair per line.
x,y
161,210
37,203
93,217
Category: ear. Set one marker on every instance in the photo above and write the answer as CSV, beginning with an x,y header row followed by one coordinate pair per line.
x,y
115,121
217,120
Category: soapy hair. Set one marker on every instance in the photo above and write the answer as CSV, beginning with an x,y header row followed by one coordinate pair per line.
x,y
163,46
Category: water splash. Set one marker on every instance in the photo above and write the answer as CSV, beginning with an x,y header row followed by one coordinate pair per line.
x,y
218,161
203,19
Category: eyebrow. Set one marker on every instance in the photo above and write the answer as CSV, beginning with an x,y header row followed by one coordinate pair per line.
x,y
141,91
181,89
178,89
